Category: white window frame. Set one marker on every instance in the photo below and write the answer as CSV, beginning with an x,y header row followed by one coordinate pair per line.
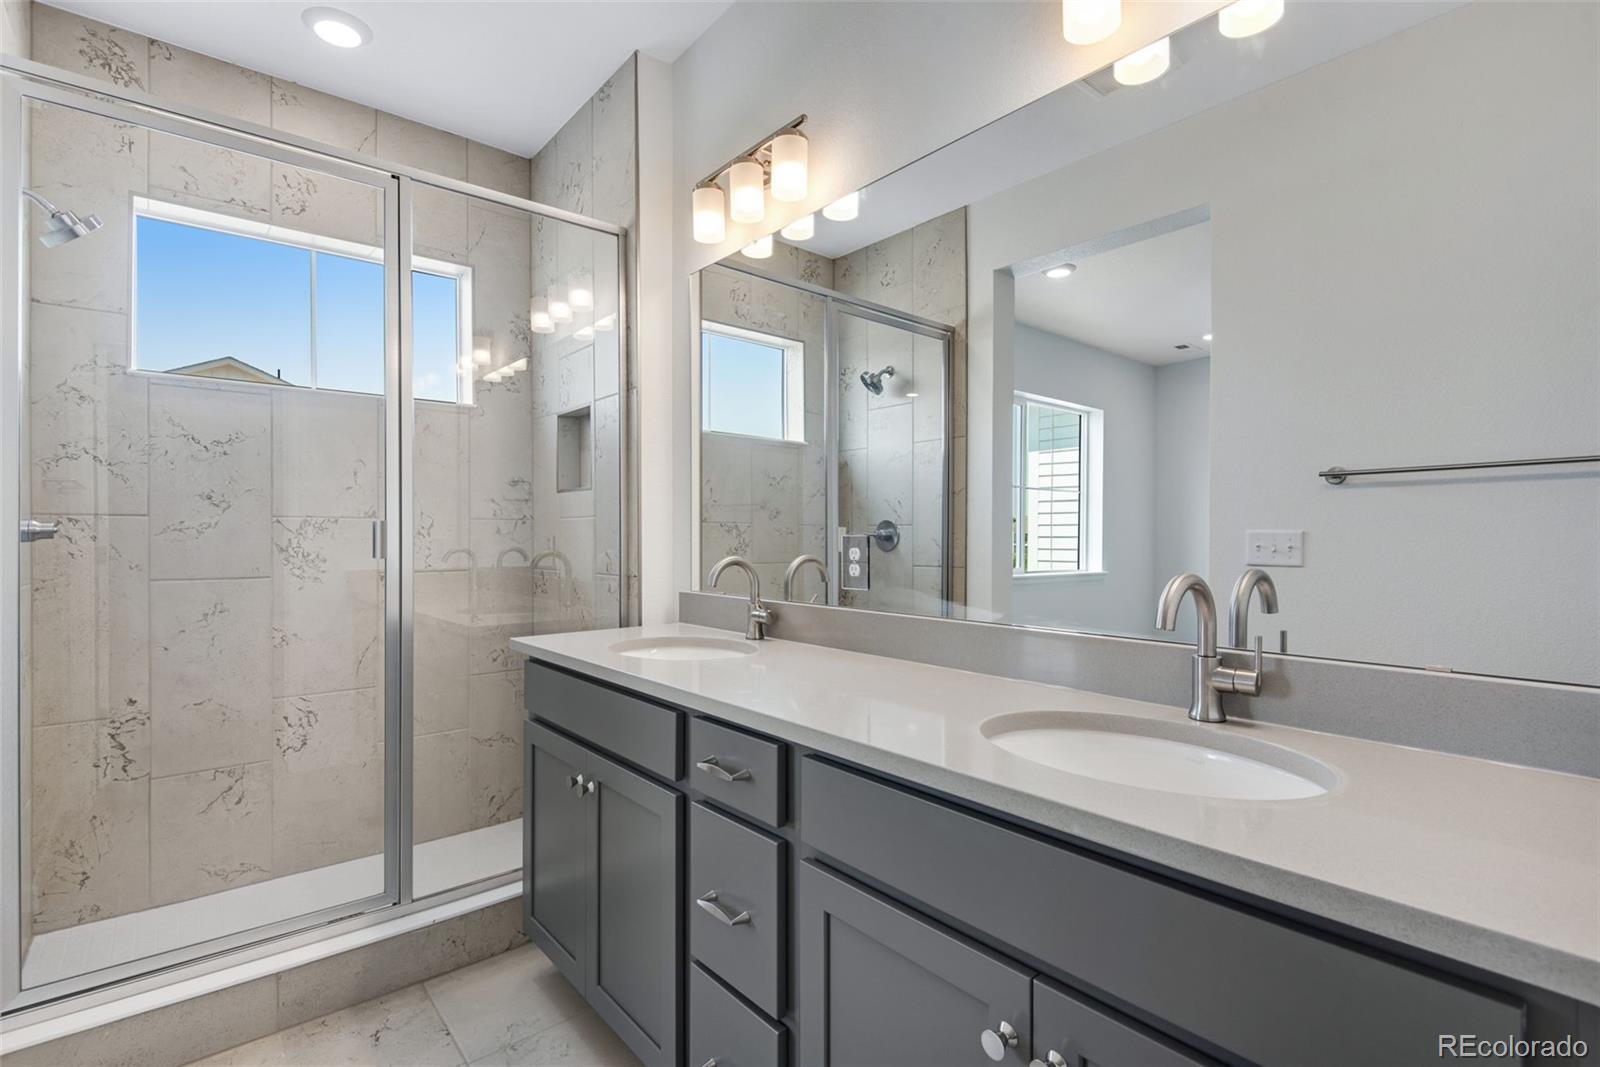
x,y
1091,440
794,380
199,218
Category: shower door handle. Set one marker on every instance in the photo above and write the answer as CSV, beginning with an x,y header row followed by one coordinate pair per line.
x,y
34,530
377,539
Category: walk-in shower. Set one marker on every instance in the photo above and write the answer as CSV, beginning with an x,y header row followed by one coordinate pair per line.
x,y
873,379
309,467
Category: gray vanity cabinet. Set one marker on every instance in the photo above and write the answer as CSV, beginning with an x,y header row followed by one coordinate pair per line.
x,y
602,886
1072,1031
880,985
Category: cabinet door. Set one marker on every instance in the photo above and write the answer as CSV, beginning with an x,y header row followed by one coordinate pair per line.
x,y
636,972
556,855
1072,1031
880,985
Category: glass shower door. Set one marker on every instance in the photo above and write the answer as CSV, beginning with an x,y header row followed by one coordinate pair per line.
x,y
205,690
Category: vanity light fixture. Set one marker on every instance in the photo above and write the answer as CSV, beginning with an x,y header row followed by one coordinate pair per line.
x,y
1063,270
1205,337
747,195
338,28
581,296
710,224
539,320
560,310
584,332
844,209
1246,18
607,324
1145,65
482,350
779,160
1089,21
801,229
760,248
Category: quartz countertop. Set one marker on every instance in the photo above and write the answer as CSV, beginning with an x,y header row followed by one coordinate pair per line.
x,y
1489,864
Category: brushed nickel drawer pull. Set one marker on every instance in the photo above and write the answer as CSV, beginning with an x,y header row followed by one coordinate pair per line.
x,y
708,904
712,766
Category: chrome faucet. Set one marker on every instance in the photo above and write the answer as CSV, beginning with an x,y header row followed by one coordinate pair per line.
x,y
500,560
1253,579
1211,678
760,614
796,567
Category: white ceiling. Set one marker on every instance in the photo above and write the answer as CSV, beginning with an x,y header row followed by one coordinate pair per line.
x,y
1075,122
505,72
1137,301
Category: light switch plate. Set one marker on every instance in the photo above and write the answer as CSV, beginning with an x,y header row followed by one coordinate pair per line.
x,y
855,564
1275,548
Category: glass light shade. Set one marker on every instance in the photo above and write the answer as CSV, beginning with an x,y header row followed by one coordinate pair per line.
x,y
539,320
760,248
710,227
517,365
789,152
1145,65
560,310
801,229
481,351
584,333
1089,21
747,195
607,324
581,295
1249,17
843,209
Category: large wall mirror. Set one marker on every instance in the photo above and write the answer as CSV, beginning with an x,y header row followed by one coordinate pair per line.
x,y
1124,332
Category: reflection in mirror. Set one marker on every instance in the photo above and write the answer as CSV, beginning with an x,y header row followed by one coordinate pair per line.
x,y
1365,238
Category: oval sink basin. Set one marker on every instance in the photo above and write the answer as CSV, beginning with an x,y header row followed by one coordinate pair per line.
x,y
683,648
1172,757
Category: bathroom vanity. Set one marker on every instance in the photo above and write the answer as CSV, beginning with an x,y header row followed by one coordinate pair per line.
x,y
767,852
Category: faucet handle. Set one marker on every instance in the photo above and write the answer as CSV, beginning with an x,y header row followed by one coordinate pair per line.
x,y
1246,680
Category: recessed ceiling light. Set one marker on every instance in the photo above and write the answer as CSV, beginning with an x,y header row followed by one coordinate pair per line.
x,y
1061,271
336,27
1205,337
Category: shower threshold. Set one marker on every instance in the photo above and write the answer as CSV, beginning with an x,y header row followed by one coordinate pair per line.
x,y
437,865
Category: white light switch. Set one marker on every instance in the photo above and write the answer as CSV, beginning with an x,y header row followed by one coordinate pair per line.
x,y
1275,548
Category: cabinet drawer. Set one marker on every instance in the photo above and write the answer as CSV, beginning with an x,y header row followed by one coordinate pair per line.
x,y
642,733
737,905
724,1031
739,770
1080,1031
1261,988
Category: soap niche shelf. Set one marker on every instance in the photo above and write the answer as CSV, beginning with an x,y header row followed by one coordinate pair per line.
x,y
574,451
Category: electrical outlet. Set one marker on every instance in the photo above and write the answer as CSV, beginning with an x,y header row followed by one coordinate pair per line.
x,y
1275,548
855,572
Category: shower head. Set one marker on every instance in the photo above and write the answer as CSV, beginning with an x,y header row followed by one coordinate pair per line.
x,y
64,226
873,379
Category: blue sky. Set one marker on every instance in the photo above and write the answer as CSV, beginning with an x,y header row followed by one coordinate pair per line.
x,y
742,383
204,295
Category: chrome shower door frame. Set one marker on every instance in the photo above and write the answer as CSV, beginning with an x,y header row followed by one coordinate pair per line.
x,y
16,92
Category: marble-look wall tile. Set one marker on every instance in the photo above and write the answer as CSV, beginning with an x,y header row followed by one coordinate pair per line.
x,y
775,502
890,346
327,610
958,502
90,820
210,177
313,202
83,46
327,454
329,119
90,617
725,484
500,436
211,474
719,539
889,464
853,483
442,483
89,164
495,716
327,780
210,831
494,168
439,223
442,804
928,372
607,436
563,171
814,269
927,505
613,156
399,140
441,619
199,81
88,417
939,264
210,680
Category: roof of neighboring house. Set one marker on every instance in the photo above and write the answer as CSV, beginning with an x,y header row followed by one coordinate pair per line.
x,y
228,367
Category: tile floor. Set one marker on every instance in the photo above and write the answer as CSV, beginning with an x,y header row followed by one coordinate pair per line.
x,y
512,1010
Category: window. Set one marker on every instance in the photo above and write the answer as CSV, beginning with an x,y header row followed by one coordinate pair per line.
x,y
1054,498
219,297
751,384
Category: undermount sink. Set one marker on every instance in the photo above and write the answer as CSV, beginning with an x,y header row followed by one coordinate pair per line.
x,y
1172,757
682,648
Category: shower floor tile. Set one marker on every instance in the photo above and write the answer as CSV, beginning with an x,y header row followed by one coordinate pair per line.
x,y
437,865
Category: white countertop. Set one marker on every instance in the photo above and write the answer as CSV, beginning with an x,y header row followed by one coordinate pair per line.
x,y
1489,864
